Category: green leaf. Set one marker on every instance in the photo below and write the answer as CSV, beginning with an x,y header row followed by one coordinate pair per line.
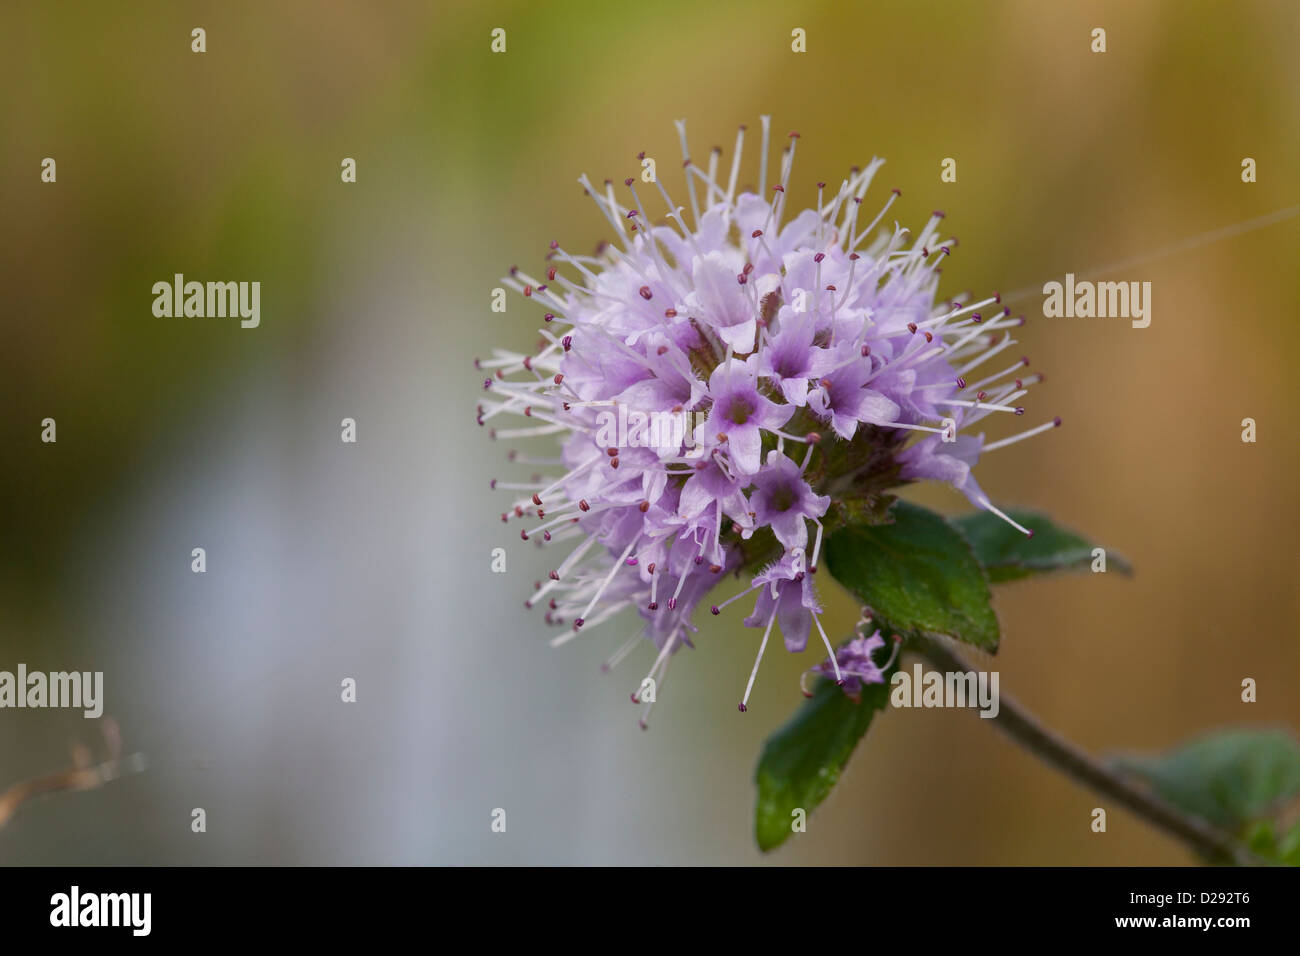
x,y
1261,836
1006,554
918,574
1288,848
1229,778
803,760
864,509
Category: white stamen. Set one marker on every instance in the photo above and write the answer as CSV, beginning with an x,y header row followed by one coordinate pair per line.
x,y
1022,436
758,660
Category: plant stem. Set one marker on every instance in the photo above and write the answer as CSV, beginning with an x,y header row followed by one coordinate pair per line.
x,y
1025,729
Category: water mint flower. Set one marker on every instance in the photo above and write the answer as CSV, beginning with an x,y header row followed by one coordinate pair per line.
x,y
813,362
792,358
784,502
739,414
785,591
844,398
855,661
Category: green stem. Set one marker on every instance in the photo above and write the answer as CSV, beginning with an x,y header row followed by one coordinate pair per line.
x,y
1024,728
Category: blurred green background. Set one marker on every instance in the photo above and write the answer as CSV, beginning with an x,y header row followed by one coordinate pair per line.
x,y
372,561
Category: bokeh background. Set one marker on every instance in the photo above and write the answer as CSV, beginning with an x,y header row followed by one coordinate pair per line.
x,y
371,561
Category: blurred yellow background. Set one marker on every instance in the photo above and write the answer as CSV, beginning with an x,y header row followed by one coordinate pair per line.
x,y
372,561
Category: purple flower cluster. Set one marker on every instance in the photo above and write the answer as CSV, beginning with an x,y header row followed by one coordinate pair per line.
x,y
811,361
854,663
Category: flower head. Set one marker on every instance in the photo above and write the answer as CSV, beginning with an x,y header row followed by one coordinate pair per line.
x,y
855,662
718,381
